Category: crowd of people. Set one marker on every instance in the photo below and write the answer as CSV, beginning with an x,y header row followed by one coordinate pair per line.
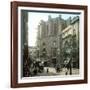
x,y
33,67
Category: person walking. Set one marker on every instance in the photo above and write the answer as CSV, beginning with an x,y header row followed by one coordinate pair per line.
x,y
69,68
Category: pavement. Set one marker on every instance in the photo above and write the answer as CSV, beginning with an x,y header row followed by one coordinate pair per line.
x,y
50,71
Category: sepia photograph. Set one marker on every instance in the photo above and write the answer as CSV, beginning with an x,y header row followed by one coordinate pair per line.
x,y
49,44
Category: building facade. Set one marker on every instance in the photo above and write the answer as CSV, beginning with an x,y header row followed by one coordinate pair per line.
x,y
51,38
24,43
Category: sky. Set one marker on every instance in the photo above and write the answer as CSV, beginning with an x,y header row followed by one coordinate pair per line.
x,y
34,20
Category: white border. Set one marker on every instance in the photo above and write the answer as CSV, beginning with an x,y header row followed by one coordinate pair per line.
x,y
52,78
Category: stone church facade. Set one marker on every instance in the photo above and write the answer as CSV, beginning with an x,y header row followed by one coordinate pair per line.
x,y
51,38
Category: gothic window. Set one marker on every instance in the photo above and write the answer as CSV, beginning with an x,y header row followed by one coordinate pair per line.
x,y
54,52
44,52
55,29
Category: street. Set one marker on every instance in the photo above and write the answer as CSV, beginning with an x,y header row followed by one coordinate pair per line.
x,y
50,71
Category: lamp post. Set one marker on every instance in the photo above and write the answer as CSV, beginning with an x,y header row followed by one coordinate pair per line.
x,y
58,56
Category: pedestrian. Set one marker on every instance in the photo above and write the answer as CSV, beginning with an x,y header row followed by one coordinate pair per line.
x,y
47,70
58,68
68,68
